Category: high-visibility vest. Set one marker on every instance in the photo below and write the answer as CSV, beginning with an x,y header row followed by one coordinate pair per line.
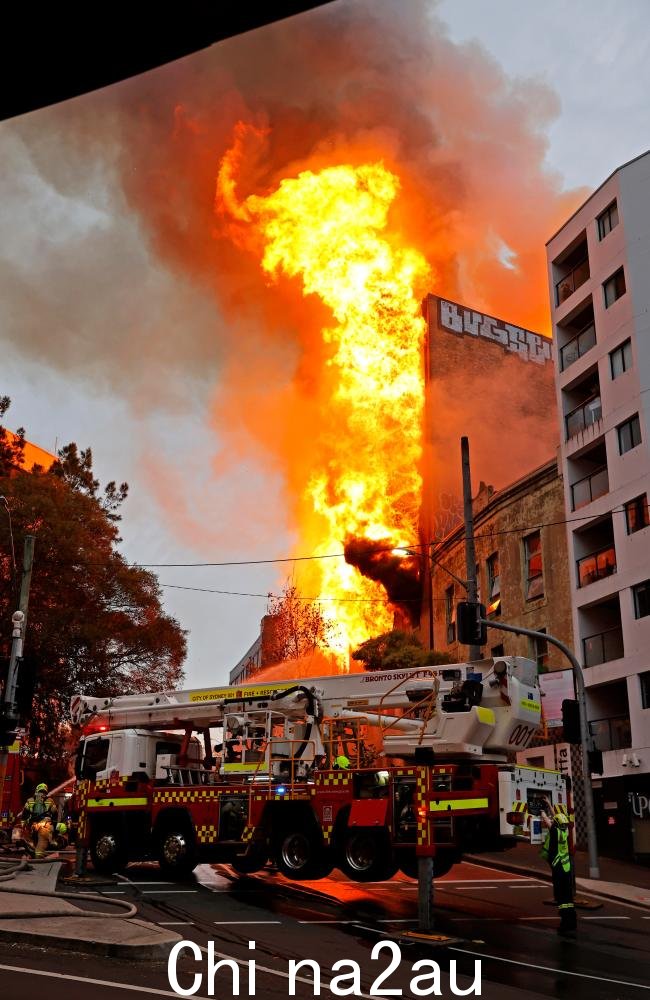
x,y
562,857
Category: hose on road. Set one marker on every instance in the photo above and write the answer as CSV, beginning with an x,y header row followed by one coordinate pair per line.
x,y
9,869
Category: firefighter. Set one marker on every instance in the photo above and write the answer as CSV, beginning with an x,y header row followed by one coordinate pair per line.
x,y
40,815
556,851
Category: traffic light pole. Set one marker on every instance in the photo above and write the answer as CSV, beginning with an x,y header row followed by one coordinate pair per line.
x,y
470,553
592,843
8,709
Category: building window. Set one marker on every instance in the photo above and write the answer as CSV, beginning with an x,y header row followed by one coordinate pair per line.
x,y
636,514
493,584
614,287
607,220
497,650
644,681
539,652
620,360
629,434
450,614
641,594
534,572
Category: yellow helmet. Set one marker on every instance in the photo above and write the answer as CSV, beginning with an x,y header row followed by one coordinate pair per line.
x,y
42,788
560,814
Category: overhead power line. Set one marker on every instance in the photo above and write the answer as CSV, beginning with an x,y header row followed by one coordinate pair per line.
x,y
520,529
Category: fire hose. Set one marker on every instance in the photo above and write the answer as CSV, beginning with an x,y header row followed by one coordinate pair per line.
x,y
9,868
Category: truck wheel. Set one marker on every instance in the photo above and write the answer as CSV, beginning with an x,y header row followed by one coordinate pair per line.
x,y
300,855
253,861
442,863
176,852
367,856
108,853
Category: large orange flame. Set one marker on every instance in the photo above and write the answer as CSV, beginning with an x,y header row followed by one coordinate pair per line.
x,y
331,230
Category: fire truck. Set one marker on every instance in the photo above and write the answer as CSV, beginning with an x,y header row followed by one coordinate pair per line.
x,y
10,790
363,772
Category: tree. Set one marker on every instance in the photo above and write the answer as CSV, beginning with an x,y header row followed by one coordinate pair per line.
x,y
397,650
95,624
296,627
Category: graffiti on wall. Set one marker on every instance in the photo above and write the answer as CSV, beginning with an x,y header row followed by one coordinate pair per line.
x,y
527,345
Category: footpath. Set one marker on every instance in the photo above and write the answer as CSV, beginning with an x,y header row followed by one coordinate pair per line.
x,y
620,880
34,911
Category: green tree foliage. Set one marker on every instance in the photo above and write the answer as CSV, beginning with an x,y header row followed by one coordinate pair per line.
x,y
397,650
95,624
297,626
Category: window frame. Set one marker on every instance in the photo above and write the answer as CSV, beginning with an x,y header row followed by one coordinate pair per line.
x,y
620,350
606,215
642,586
640,506
528,556
613,282
450,614
644,684
629,424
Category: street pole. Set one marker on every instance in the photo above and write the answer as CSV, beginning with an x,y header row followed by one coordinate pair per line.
x,y
19,619
470,553
9,708
592,843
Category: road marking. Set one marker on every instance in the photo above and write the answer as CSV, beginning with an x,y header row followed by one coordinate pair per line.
x,y
531,885
176,923
168,892
604,916
391,920
247,922
94,982
327,921
112,892
537,918
133,882
547,968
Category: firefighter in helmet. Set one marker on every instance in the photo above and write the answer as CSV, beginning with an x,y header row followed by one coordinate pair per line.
x,y
40,816
556,851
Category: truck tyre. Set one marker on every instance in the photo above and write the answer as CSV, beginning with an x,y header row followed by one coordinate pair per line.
x,y
108,852
253,861
176,851
442,863
367,856
300,855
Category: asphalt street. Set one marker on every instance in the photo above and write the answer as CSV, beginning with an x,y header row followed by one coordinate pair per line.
x,y
501,919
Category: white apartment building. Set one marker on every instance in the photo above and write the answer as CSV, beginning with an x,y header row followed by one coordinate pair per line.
x,y
599,279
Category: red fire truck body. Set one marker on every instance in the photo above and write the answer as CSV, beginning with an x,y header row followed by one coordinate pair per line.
x,y
279,794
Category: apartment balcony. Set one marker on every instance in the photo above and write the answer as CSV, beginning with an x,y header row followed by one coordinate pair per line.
x,y
589,488
596,566
602,647
587,413
577,347
611,734
571,281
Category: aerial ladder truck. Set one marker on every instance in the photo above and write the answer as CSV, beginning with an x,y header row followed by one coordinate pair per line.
x,y
363,772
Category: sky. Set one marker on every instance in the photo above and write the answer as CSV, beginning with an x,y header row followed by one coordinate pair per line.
x,y
110,342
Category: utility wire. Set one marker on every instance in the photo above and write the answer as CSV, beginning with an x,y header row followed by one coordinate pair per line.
x,y
388,548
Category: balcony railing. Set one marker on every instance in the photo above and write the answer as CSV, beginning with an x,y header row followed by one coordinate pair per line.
x,y
578,346
595,485
583,416
596,566
603,647
567,285
611,734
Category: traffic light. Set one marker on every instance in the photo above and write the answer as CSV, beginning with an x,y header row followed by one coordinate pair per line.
x,y
468,628
571,720
595,758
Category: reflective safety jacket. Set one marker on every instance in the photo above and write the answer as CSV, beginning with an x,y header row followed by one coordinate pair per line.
x,y
556,848
37,808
